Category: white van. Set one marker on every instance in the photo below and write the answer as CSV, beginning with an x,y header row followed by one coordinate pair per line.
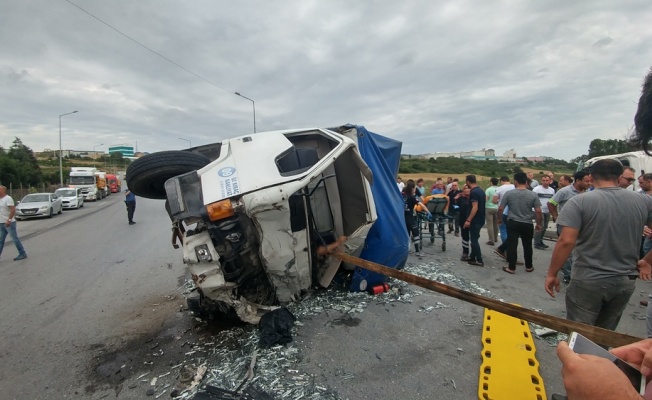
x,y
638,160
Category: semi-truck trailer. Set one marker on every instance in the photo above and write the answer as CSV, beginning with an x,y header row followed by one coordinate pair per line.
x,y
102,184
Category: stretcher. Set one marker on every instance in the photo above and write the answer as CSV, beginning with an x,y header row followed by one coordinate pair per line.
x,y
435,223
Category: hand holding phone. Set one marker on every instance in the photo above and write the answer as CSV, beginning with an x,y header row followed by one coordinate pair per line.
x,y
581,345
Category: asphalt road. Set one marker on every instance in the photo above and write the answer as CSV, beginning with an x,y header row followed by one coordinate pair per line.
x,y
91,284
97,304
399,351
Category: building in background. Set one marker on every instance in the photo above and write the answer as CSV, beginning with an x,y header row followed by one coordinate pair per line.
x,y
511,153
68,153
484,154
127,151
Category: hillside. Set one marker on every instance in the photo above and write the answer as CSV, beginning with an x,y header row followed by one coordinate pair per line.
x,y
458,168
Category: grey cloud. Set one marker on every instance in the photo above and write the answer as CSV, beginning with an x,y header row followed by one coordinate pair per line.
x,y
446,75
604,42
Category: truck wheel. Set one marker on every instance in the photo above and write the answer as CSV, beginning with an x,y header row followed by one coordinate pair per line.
x,y
147,175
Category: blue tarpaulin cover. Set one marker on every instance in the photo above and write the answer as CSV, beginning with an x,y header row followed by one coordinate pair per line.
x,y
388,242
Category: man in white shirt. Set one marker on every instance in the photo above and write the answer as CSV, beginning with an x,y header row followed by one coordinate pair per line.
x,y
545,193
8,223
400,184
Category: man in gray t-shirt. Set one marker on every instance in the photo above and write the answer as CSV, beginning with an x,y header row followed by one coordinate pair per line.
x,y
556,204
519,222
604,227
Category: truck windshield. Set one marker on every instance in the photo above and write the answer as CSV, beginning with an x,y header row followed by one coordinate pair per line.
x,y
82,180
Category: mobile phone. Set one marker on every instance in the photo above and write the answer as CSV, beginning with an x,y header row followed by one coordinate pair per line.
x,y
582,345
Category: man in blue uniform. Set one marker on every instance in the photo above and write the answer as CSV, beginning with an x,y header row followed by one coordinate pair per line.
x,y
130,201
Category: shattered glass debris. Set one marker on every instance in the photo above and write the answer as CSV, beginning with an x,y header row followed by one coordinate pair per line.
x,y
278,370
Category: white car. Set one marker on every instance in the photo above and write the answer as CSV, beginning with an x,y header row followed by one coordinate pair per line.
x,y
39,205
70,197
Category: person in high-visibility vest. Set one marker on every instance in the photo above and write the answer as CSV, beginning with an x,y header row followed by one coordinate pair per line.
x,y
411,201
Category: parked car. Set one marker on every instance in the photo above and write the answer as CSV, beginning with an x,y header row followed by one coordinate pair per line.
x,y
38,205
70,197
251,212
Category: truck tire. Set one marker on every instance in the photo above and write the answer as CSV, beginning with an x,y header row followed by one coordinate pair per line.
x,y
147,175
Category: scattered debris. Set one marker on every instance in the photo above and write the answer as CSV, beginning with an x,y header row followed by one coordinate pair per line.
x,y
230,357
552,338
199,375
544,331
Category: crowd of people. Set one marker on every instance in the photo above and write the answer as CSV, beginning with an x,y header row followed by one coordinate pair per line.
x,y
604,245
603,231
470,208
584,220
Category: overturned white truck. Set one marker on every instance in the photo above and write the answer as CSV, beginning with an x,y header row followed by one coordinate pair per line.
x,y
250,213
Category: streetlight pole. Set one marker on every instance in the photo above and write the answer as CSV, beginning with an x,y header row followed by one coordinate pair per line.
x,y
95,154
60,150
187,140
253,103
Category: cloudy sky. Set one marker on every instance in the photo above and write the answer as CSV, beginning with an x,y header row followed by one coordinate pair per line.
x,y
544,78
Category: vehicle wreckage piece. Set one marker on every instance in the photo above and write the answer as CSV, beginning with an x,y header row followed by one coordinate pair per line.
x,y
251,218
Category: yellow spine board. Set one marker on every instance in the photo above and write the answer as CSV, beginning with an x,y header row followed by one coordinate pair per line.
x,y
509,367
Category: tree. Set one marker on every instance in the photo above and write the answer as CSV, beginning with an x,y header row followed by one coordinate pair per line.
x,y
28,171
602,147
599,147
8,169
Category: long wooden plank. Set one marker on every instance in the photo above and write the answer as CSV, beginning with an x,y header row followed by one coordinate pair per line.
x,y
598,335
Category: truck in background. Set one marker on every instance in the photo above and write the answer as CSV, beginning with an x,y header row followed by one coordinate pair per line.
x,y
102,184
114,183
85,179
638,160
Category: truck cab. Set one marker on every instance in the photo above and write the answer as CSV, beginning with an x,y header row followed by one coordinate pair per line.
x,y
638,160
252,214
85,179
114,183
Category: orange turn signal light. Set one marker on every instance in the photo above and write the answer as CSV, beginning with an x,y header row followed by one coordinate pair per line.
x,y
220,210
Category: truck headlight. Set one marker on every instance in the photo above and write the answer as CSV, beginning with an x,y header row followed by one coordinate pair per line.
x,y
203,254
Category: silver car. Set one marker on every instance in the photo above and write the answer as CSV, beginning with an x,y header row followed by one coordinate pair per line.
x,y
39,205
70,197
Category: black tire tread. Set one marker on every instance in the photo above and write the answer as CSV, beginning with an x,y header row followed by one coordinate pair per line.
x,y
147,175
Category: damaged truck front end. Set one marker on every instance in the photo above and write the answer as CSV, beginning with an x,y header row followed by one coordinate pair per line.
x,y
250,221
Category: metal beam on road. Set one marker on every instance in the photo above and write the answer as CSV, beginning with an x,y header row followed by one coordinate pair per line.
x,y
598,335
